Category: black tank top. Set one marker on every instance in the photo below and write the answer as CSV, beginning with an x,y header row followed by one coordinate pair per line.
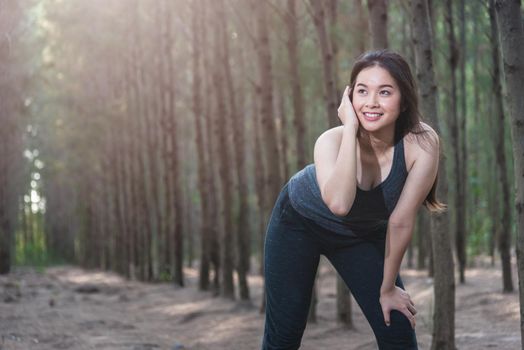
x,y
371,209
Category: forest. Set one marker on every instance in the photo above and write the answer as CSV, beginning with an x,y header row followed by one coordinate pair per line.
x,y
143,145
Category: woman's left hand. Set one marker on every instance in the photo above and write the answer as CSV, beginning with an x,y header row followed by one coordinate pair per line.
x,y
397,299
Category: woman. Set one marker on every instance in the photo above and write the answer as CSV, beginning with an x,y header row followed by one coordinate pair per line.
x,y
356,205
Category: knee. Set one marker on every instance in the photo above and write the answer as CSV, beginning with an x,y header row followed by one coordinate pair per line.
x,y
399,335
282,333
281,339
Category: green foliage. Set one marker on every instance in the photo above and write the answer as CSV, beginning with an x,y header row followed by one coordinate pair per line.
x,y
165,276
478,238
34,252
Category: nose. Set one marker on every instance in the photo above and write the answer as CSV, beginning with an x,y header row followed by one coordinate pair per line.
x,y
372,101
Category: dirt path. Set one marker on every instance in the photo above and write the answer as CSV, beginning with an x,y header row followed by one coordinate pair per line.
x,y
71,308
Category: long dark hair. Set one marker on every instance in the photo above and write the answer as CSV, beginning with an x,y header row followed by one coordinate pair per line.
x,y
410,116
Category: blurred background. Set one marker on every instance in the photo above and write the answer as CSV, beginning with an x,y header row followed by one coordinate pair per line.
x,y
144,136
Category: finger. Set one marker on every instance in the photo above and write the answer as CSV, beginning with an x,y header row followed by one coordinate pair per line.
x,y
345,94
386,317
409,316
344,97
412,310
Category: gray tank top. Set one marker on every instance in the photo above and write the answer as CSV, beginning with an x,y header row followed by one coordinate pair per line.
x,y
371,209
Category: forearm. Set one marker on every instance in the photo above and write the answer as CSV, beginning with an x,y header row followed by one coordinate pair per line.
x,y
397,241
340,189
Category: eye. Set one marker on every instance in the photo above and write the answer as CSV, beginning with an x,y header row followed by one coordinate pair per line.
x,y
361,91
385,92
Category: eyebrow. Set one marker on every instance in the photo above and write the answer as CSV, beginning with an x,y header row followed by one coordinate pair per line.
x,y
385,85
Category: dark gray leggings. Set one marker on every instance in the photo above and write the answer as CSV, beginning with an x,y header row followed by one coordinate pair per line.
x,y
292,250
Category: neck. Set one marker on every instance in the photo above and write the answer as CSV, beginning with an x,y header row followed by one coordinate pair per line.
x,y
377,142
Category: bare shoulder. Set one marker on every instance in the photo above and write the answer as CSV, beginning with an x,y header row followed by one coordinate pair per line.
x,y
333,132
331,135
420,145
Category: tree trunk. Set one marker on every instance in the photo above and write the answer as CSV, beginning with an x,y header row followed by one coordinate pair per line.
x,y
462,223
175,169
424,226
462,185
11,131
361,26
223,152
509,20
197,28
493,209
344,314
378,23
282,134
504,239
5,222
144,207
272,179
331,98
326,50
209,136
444,282
299,123
333,37
475,139
455,133
132,150
269,141
312,314
116,205
237,125
259,170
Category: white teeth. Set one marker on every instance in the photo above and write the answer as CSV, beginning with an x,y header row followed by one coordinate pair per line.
x,y
373,115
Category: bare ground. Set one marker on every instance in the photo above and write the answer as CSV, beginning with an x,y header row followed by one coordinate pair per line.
x,y
71,308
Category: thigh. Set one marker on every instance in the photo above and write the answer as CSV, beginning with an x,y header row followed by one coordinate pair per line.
x,y
291,259
361,266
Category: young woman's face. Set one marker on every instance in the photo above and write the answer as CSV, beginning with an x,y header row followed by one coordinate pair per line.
x,y
376,99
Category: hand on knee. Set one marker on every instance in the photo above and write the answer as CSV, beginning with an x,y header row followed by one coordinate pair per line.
x,y
397,299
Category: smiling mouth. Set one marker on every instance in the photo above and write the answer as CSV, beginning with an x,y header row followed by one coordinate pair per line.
x,y
372,116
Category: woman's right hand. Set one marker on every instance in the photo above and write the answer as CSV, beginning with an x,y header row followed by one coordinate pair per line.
x,y
346,112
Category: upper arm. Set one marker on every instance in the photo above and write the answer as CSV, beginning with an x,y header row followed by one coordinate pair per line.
x,y
325,154
420,179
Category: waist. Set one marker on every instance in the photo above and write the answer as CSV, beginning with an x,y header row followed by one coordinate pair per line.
x,y
367,217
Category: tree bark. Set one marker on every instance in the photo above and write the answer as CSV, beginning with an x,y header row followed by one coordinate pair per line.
x,y
378,23
271,154
455,133
444,282
242,231
209,136
361,26
326,50
222,123
6,233
259,170
344,314
299,123
476,134
462,185
282,133
509,20
174,169
504,239
424,226
197,28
